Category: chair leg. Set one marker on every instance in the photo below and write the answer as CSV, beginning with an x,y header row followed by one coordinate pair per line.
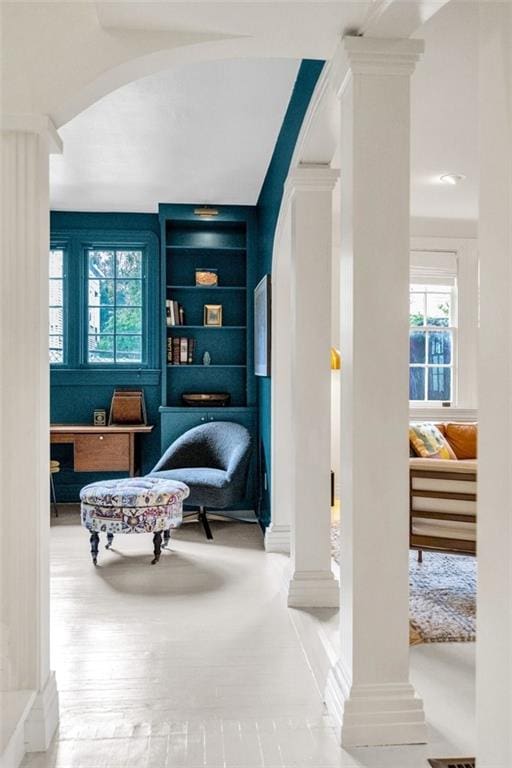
x,y
54,497
206,524
420,555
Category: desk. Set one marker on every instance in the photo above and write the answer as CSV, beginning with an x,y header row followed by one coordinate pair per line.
x,y
100,449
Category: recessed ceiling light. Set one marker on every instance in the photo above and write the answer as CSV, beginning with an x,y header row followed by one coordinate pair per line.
x,y
451,178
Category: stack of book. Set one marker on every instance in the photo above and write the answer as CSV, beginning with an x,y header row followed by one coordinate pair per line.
x,y
180,350
175,313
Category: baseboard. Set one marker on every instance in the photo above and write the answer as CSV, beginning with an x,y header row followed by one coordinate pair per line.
x,y
43,717
374,715
313,589
277,538
15,708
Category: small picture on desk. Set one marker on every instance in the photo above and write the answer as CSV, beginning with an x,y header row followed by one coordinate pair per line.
x,y
99,417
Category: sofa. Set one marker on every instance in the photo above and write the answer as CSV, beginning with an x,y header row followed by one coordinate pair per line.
x,y
443,491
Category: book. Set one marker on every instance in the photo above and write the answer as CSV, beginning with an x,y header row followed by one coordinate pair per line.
x,y
168,312
176,350
176,313
183,351
181,313
191,350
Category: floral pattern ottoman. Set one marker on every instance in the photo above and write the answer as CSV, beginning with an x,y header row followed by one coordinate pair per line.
x,y
132,505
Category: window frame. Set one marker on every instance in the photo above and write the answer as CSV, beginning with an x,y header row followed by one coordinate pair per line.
x,y
451,328
61,244
77,241
114,245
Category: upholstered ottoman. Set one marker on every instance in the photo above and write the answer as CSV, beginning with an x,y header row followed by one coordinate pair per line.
x,y
132,505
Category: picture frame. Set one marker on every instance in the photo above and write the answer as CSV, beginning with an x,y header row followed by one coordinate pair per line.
x,y
213,314
262,327
99,418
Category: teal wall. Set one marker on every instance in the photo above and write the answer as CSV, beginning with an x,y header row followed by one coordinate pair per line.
x,y
75,391
268,206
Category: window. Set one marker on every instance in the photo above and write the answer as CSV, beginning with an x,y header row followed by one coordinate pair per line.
x,y
432,342
115,317
56,319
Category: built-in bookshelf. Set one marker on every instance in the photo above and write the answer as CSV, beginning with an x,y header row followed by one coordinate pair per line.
x,y
223,243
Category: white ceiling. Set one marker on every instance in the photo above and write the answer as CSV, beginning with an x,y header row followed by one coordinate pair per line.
x,y
201,133
444,116
205,132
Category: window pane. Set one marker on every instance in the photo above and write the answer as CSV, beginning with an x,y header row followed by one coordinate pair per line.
x,y
129,263
56,349
129,292
56,293
417,309
438,309
439,383
417,346
100,320
56,262
100,349
416,383
101,264
439,348
128,349
56,319
101,292
129,320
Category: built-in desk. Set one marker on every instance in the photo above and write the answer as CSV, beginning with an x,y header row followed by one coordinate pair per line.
x,y
100,449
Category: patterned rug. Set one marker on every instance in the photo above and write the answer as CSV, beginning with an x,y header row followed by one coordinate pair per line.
x,y
442,596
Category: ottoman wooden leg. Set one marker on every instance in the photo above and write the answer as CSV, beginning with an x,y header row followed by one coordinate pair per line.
x,y
167,536
157,543
110,539
95,540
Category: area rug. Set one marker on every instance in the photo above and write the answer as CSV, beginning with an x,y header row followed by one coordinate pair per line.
x,y
442,596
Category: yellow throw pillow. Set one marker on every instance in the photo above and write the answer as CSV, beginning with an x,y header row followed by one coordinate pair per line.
x,y
429,443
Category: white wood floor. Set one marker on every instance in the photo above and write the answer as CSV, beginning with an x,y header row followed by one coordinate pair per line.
x,y
194,662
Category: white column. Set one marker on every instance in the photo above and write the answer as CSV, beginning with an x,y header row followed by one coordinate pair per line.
x,y
312,582
494,631
31,693
277,535
368,690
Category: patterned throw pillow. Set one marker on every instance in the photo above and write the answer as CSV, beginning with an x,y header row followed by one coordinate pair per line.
x,y
429,443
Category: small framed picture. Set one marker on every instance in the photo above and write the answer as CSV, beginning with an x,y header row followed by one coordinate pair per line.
x,y
213,314
99,417
206,277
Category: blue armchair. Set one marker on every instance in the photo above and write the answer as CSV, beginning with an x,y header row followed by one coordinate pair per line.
x,y
213,460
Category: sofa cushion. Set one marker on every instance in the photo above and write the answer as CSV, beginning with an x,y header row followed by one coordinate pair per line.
x,y
463,439
429,443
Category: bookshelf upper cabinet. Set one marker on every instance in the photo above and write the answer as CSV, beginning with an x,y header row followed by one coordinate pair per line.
x,y
208,323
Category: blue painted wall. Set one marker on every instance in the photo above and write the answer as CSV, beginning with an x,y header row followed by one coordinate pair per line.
x,y
76,391
268,206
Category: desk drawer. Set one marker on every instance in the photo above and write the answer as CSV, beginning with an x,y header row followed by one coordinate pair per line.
x,y
102,453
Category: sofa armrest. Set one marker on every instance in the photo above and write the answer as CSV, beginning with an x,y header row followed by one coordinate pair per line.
x,y
463,466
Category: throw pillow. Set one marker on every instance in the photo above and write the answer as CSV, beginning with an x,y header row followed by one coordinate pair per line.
x,y
429,443
463,439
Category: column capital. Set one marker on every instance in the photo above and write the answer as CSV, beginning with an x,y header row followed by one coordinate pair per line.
x,y
374,56
33,123
311,177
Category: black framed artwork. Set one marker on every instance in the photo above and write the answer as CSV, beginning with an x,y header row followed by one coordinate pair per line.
x,y
262,327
